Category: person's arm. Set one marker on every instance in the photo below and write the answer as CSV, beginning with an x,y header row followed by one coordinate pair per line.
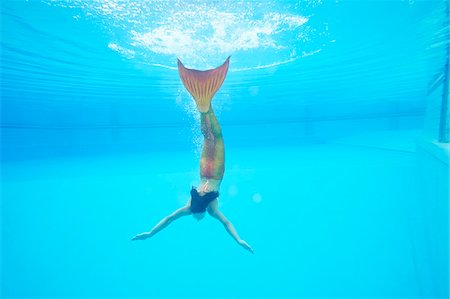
x,y
184,211
213,210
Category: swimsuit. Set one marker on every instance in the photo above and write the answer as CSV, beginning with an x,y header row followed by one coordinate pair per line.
x,y
200,202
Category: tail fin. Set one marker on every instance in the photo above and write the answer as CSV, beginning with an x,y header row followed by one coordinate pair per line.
x,y
203,85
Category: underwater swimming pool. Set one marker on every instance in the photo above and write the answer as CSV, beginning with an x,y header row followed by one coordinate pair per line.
x,y
332,115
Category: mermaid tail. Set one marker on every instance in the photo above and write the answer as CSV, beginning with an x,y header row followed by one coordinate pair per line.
x,y
203,85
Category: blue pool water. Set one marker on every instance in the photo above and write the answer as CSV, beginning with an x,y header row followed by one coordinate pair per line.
x,y
333,170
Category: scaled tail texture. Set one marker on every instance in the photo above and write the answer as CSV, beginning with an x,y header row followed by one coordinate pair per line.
x,y
203,85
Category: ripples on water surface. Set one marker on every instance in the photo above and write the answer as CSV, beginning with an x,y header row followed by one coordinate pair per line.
x,y
112,63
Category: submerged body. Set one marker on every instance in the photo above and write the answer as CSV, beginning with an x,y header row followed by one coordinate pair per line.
x,y
202,85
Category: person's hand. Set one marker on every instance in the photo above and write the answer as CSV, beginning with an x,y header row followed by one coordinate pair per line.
x,y
142,236
245,245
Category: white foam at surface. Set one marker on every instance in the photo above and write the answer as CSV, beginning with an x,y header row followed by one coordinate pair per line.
x,y
203,33
230,32
125,52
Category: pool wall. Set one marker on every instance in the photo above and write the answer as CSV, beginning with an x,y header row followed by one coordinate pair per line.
x,y
431,226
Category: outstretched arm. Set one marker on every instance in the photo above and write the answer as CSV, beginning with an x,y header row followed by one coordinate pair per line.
x,y
213,210
163,223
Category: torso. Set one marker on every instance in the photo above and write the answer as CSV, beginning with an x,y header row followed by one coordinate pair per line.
x,y
200,200
208,185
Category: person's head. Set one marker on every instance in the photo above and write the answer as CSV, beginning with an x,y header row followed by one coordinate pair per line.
x,y
198,216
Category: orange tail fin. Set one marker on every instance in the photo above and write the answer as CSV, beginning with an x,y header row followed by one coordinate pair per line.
x,y
203,85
